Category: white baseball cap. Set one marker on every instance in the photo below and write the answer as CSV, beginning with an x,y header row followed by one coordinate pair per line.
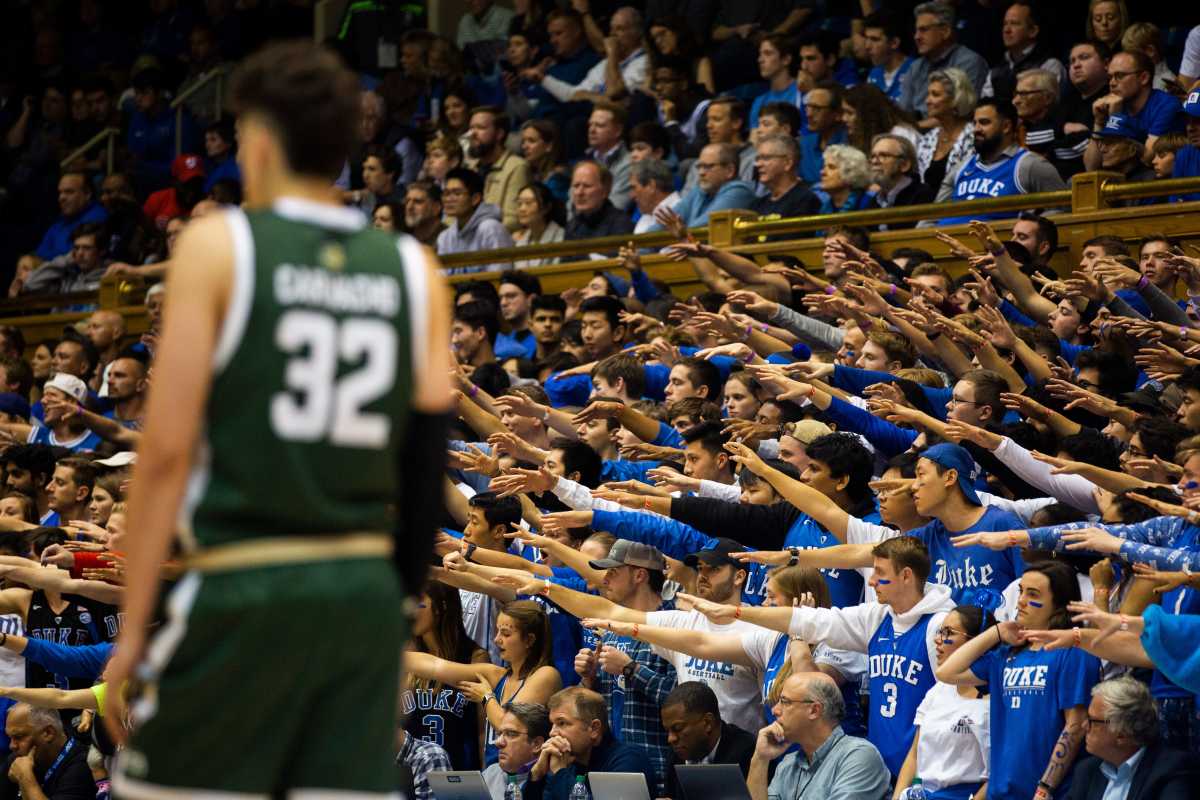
x,y
69,385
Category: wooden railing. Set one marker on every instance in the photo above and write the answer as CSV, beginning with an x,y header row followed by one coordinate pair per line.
x,y
1088,206
109,137
179,103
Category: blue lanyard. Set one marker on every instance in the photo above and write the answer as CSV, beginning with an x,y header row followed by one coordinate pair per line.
x,y
58,761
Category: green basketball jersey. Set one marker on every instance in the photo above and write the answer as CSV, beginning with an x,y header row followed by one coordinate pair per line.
x,y
313,378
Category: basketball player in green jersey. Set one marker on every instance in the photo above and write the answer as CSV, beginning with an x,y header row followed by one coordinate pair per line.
x,y
294,442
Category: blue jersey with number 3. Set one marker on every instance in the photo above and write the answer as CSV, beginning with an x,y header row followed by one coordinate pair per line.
x,y
900,675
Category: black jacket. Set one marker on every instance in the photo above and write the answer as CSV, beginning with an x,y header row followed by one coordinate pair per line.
x,y
736,747
915,194
1162,774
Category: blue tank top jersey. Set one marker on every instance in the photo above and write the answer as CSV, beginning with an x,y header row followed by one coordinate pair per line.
x,y
445,716
845,585
976,181
900,674
853,723
491,751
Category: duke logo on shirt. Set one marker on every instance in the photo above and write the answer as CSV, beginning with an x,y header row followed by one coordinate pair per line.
x,y
711,669
964,575
895,665
1024,681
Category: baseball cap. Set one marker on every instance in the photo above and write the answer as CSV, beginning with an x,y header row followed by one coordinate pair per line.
x,y
187,166
717,555
1120,126
806,431
13,403
634,554
1191,106
121,459
952,456
68,385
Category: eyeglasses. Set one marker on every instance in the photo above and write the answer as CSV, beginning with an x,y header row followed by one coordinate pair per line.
x,y
947,632
882,156
509,734
958,401
1120,76
768,156
1027,92
785,702
1093,721
703,167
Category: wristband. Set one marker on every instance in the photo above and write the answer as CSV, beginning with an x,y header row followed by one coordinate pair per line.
x,y
999,637
737,611
891,290
749,330
764,327
830,289
1078,637
470,551
1124,623
545,589
1012,540
474,390
635,630
646,503
811,391
1183,331
795,559
545,413
1142,283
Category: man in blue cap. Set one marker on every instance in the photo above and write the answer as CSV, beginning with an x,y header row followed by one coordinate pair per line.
x,y
1120,144
944,491
1187,158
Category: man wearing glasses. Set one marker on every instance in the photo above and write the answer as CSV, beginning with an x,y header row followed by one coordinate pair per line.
x,y
841,767
893,165
784,195
937,49
717,186
1150,112
523,729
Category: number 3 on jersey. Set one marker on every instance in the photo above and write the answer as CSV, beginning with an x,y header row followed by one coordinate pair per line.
x,y
317,403
888,709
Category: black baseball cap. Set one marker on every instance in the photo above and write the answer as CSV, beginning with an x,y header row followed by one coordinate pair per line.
x,y
718,555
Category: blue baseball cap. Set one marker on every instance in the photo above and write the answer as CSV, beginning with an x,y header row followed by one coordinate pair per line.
x,y
15,404
952,456
1191,106
619,284
1120,126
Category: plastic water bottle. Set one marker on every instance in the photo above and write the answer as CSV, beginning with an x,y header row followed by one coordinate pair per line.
x,y
915,792
580,791
513,790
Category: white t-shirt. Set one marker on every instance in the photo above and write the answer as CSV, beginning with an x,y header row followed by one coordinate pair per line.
x,y
12,665
955,738
479,614
738,689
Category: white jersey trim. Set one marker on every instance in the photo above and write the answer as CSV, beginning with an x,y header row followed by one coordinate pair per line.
x,y
241,293
416,283
300,210
129,787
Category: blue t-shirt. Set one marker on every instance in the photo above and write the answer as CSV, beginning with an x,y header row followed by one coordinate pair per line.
x,y
1187,165
878,79
518,344
790,94
812,154
966,568
57,240
87,441
1161,114
900,674
1030,691
845,585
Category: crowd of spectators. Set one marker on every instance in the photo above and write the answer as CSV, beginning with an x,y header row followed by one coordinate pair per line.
x,y
852,529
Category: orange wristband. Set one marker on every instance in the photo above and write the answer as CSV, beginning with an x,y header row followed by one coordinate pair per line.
x,y
635,630
737,612
1078,636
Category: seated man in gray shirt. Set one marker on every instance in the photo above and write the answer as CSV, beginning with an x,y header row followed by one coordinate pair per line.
x,y
519,739
841,767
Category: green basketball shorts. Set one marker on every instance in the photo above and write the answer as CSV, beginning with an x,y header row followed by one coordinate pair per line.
x,y
268,680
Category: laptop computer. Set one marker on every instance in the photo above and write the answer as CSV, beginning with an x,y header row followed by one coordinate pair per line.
x,y
618,786
464,785
711,782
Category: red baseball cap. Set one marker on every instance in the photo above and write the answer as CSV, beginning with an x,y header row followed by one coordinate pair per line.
x,y
186,167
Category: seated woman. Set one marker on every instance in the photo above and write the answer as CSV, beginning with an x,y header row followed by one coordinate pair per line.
x,y
844,180
540,215
523,638
951,719
542,148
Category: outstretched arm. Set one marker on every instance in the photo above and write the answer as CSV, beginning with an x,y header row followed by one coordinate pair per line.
x,y
53,698
724,647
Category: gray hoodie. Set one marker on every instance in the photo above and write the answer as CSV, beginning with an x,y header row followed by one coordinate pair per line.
x,y
483,231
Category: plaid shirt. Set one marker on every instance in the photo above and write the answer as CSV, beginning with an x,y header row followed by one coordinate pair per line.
x,y
640,699
422,758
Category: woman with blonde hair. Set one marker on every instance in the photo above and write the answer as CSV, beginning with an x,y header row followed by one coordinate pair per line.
x,y
950,100
442,154
776,655
1106,22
